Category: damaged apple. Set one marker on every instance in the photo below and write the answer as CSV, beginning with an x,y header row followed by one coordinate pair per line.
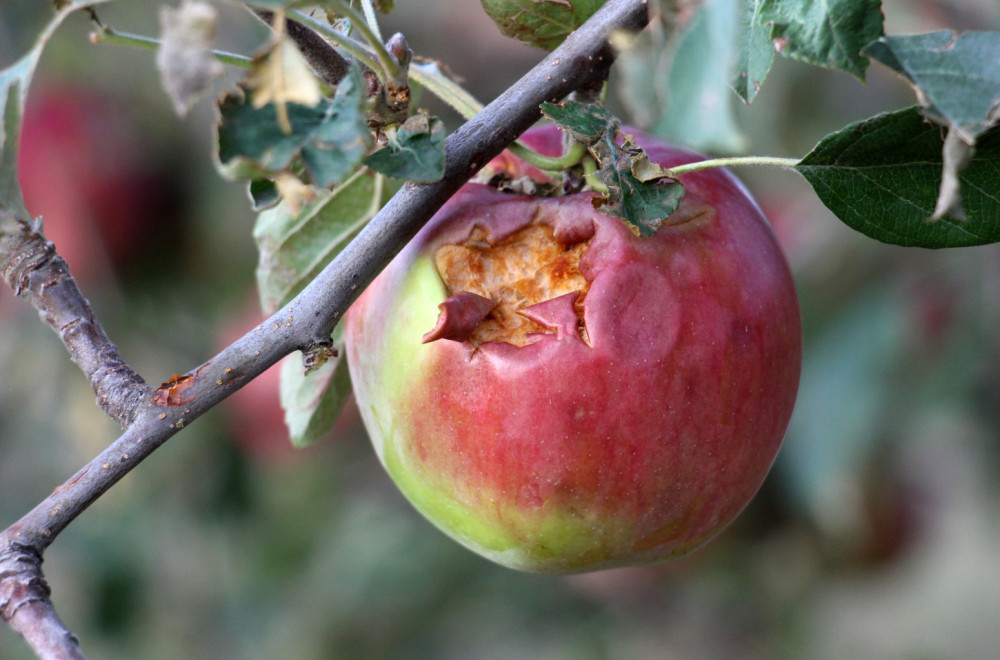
x,y
561,395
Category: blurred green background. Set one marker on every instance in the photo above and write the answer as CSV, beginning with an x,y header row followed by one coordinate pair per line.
x,y
877,535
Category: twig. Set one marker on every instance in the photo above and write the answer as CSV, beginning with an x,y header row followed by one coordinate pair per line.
x,y
30,265
307,322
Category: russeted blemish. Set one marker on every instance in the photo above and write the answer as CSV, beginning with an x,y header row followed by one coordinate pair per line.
x,y
528,267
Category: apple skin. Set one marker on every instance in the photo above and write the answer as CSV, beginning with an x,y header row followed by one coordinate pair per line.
x,y
564,457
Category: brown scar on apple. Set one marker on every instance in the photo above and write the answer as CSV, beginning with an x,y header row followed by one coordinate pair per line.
x,y
533,265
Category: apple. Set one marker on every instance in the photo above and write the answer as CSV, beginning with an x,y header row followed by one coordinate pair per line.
x,y
561,395
110,199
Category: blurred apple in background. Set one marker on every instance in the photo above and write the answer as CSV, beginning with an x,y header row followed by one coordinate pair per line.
x,y
107,195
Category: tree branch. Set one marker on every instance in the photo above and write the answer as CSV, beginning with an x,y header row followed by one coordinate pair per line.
x,y
25,604
30,265
304,324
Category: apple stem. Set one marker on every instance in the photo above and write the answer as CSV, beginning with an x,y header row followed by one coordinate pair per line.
x,y
590,176
788,163
572,157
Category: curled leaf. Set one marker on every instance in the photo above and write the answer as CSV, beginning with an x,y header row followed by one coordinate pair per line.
x,y
281,75
184,58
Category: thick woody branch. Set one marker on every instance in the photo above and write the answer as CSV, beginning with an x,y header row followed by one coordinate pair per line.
x,y
30,265
307,322
25,604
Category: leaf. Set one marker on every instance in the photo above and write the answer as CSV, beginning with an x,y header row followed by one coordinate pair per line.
x,y
676,79
327,141
313,401
541,23
14,83
881,177
699,108
642,204
415,151
643,87
585,122
281,75
956,78
184,58
756,52
830,33
294,247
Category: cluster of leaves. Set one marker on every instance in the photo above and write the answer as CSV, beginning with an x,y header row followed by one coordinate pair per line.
x,y
878,175
638,190
320,164
920,176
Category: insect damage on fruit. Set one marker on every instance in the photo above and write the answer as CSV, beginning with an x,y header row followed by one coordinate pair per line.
x,y
513,290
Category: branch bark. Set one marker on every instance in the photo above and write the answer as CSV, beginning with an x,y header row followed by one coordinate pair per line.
x,y
304,324
30,265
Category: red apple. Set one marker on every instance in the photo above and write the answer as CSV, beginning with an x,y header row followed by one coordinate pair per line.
x,y
560,395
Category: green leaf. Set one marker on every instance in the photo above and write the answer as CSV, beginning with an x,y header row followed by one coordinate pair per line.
x,y
699,108
756,52
675,80
330,140
637,194
542,23
881,177
415,151
313,401
830,33
642,80
957,78
294,247
14,83
585,122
